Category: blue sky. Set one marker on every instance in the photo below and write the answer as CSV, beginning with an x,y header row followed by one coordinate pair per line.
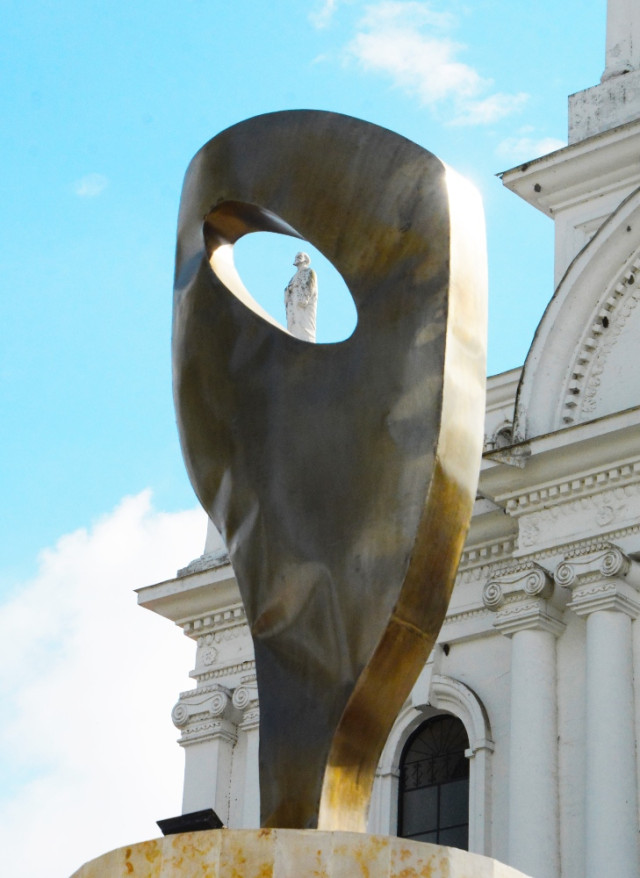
x,y
103,105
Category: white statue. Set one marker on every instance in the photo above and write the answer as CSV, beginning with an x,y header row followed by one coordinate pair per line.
x,y
301,299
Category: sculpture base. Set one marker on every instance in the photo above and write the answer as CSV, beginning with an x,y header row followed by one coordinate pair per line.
x,y
290,853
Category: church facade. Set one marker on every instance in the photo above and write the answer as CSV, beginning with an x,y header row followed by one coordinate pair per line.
x,y
519,740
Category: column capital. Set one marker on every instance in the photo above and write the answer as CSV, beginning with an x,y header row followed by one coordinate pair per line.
x,y
524,597
606,579
206,713
245,700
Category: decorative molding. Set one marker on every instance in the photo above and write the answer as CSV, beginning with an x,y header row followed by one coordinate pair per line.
x,y
208,730
225,671
532,616
575,548
477,556
229,618
464,615
457,698
607,596
606,324
603,512
616,479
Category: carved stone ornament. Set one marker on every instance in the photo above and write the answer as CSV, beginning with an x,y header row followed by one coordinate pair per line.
x,y
528,580
524,598
606,579
342,476
205,713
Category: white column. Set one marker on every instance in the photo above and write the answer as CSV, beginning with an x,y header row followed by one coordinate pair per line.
x,y
623,37
533,765
611,775
604,590
525,612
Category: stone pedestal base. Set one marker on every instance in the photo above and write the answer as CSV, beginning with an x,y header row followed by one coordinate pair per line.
x,y
290,853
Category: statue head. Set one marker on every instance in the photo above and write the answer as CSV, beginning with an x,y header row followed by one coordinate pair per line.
x,y
302,260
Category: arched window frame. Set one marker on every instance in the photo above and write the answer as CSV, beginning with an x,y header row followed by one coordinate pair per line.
x,y
446,695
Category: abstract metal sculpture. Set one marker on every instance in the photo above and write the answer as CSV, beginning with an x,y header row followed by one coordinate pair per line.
x,y
341,476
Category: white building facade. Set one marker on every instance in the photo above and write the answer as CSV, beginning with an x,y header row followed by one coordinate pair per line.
x,y
539,657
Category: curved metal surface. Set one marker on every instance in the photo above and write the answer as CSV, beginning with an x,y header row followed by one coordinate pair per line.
x,y
341,476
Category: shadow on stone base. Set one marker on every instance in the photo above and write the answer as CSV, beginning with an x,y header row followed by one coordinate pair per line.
x,y
290,853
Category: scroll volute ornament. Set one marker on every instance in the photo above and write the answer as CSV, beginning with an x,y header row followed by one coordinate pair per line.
x,y
341,476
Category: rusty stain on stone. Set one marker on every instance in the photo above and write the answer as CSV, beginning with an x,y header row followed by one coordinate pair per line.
x,y
290,854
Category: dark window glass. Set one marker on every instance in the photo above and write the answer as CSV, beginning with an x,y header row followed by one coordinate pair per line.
x,y
434,784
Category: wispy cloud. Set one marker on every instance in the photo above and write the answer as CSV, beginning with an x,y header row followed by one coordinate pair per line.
x,y
410,42
90,185
322,16
88,679
490,109
525,146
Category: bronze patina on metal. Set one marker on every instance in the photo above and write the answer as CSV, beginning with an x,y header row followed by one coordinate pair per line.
x,y
341,476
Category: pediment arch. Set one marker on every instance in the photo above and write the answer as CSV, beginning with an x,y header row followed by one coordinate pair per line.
x,y
580,364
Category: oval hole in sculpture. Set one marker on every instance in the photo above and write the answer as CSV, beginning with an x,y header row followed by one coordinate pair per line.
x,y
264,261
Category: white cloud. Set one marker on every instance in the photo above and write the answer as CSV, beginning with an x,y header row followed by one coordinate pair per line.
x,y
525,147
410,42
87,747
90,185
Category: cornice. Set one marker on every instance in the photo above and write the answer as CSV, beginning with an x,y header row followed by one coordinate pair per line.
x,y
187,598
580,171
560,458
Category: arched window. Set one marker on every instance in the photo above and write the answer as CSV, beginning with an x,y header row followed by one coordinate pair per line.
x,y
434,784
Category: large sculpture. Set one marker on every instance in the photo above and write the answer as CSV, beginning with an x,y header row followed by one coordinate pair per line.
x,y
341,476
